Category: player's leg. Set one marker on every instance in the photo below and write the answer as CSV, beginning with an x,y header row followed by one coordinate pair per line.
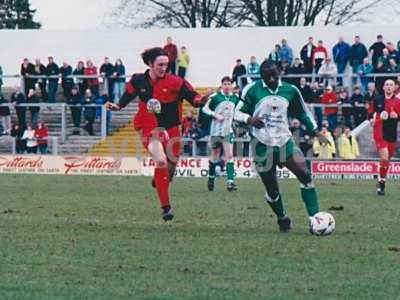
x,y
230,166
296,163
266,168
161,176
384,157
215,152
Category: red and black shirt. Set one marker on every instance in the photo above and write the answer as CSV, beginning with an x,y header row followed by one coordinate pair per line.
x,y
169,91
388,127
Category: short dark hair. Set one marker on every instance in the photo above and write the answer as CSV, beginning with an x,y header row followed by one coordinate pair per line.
x,y
379,36
150,55
226,78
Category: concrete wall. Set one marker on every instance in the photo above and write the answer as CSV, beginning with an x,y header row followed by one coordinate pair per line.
x,y
212,51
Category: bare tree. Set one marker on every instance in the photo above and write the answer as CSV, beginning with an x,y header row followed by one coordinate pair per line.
x,y
303,12
176,13
232,13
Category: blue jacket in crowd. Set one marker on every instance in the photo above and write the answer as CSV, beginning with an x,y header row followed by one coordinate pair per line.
x,y
341,53
286,53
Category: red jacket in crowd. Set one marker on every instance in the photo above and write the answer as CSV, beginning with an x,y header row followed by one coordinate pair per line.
x,y
319,52
41,135
329,97
172,51
91,71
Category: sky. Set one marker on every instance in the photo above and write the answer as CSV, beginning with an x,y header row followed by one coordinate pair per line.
x,y
71,14
89,14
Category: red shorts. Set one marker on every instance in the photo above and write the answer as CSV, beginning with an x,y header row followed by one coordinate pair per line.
x,y
381,143
170,139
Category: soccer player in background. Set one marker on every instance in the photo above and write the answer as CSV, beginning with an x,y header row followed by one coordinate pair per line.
x,y
266,106
385,119
159,116
221,107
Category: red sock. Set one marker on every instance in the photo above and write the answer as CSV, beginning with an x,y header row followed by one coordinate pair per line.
x,y
161,178
383,169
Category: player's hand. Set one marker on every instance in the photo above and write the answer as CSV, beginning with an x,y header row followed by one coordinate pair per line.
x,y
112,106
384,115
256,122
393,115
219,117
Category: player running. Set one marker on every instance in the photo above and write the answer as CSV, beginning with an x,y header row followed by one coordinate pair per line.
x,y
266,106
385,119
159,116
221,107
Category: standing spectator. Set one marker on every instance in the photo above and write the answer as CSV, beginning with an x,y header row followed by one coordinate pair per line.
x,y
385,57
31,142
359,111
306,55
17,133
99,101
347,107
1,82
5,116
183,62
74,103
324,150
392,50
376,49
40,70
348,146
42,137
319,55
358,52
106,71
274,55
286,53
52,70
296,69
379,80
238,71
341,52
363,71
66,79
188,123
91,83
18,98
306,91
253,68
329,98
369,99
300,136
89,112
33,98
27,69
172,52
317,93
328,72
119,82
80,71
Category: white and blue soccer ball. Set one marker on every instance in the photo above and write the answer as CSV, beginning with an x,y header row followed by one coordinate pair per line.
x,y
322,224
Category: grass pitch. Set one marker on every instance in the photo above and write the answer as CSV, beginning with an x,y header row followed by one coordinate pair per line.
x,y
103,238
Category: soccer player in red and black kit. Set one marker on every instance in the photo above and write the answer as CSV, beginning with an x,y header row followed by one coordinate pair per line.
x,y
385,119
159,116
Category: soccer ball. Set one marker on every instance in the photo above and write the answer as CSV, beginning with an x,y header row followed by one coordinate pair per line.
x,y
322,223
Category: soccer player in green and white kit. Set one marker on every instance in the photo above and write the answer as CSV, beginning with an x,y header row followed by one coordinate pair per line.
x,y
221,107
266,106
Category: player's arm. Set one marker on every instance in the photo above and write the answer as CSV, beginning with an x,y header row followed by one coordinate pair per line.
x,y
209,107
189,94
129,94
243,112
298,110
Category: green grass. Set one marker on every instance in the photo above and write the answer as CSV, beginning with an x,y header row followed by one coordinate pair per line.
x,y
103,238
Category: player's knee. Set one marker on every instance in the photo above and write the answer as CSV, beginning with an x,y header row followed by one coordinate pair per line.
x,y
160,162
272,196
305,178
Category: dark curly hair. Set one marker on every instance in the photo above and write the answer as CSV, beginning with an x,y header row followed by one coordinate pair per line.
x,y
150,55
